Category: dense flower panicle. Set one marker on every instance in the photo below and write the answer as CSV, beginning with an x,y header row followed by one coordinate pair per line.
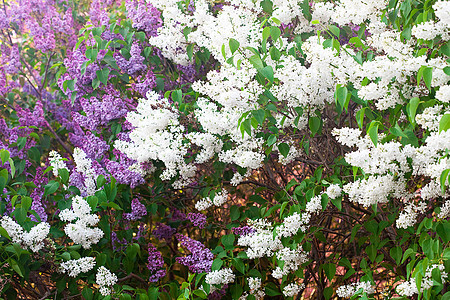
x,y
243,230
144,83
223,276
74,267
80,231
292,289
56,161
37,195
144,15
138,210
155,264
200,259
118,244
292,259
163,232
105,279
34,239
197,219
409,288
347,291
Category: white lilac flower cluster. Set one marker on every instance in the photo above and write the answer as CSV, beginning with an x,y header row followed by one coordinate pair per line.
x,y
292,259
218,200
292,289
56,161
106,280
430,29
347,291
262,242
389,158
223,276
83,165
158,135
74,267
409,288
81,231
34,239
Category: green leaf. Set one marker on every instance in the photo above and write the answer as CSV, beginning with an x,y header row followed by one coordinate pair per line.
x,y
341,96
267,72
217,263
256,61
234,213
443,230
397,131
259,115
102,75
13,168
275,32
372,131
238,264
334,30
177,96
234,45
15,266
272,139
284,149
228,240
4,155
330,270
275,54
51,187
443,178
396,253
427,76
444,123
4,233
411,109
314,124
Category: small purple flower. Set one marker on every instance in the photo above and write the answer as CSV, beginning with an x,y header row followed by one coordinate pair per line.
x,y
155,264
144,15
163,231
177,215
37,194
138,210
244,230
118,245
198,219
200,259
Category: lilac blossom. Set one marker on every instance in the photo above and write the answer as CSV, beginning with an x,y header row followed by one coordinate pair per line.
x,y
198,219
134,64
138,210
163,231
177,215
144,83
144,15
244,230
118,244
37,194
200,259
11,59
155,264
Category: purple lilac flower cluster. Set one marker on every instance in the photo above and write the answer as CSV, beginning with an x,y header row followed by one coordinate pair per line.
x,y
163,231
138,210
243,230
118,244
135,63
144,15
200,259
198,219
37,195
155,264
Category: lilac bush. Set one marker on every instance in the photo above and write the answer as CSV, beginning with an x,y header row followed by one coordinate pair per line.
x,y
259,149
